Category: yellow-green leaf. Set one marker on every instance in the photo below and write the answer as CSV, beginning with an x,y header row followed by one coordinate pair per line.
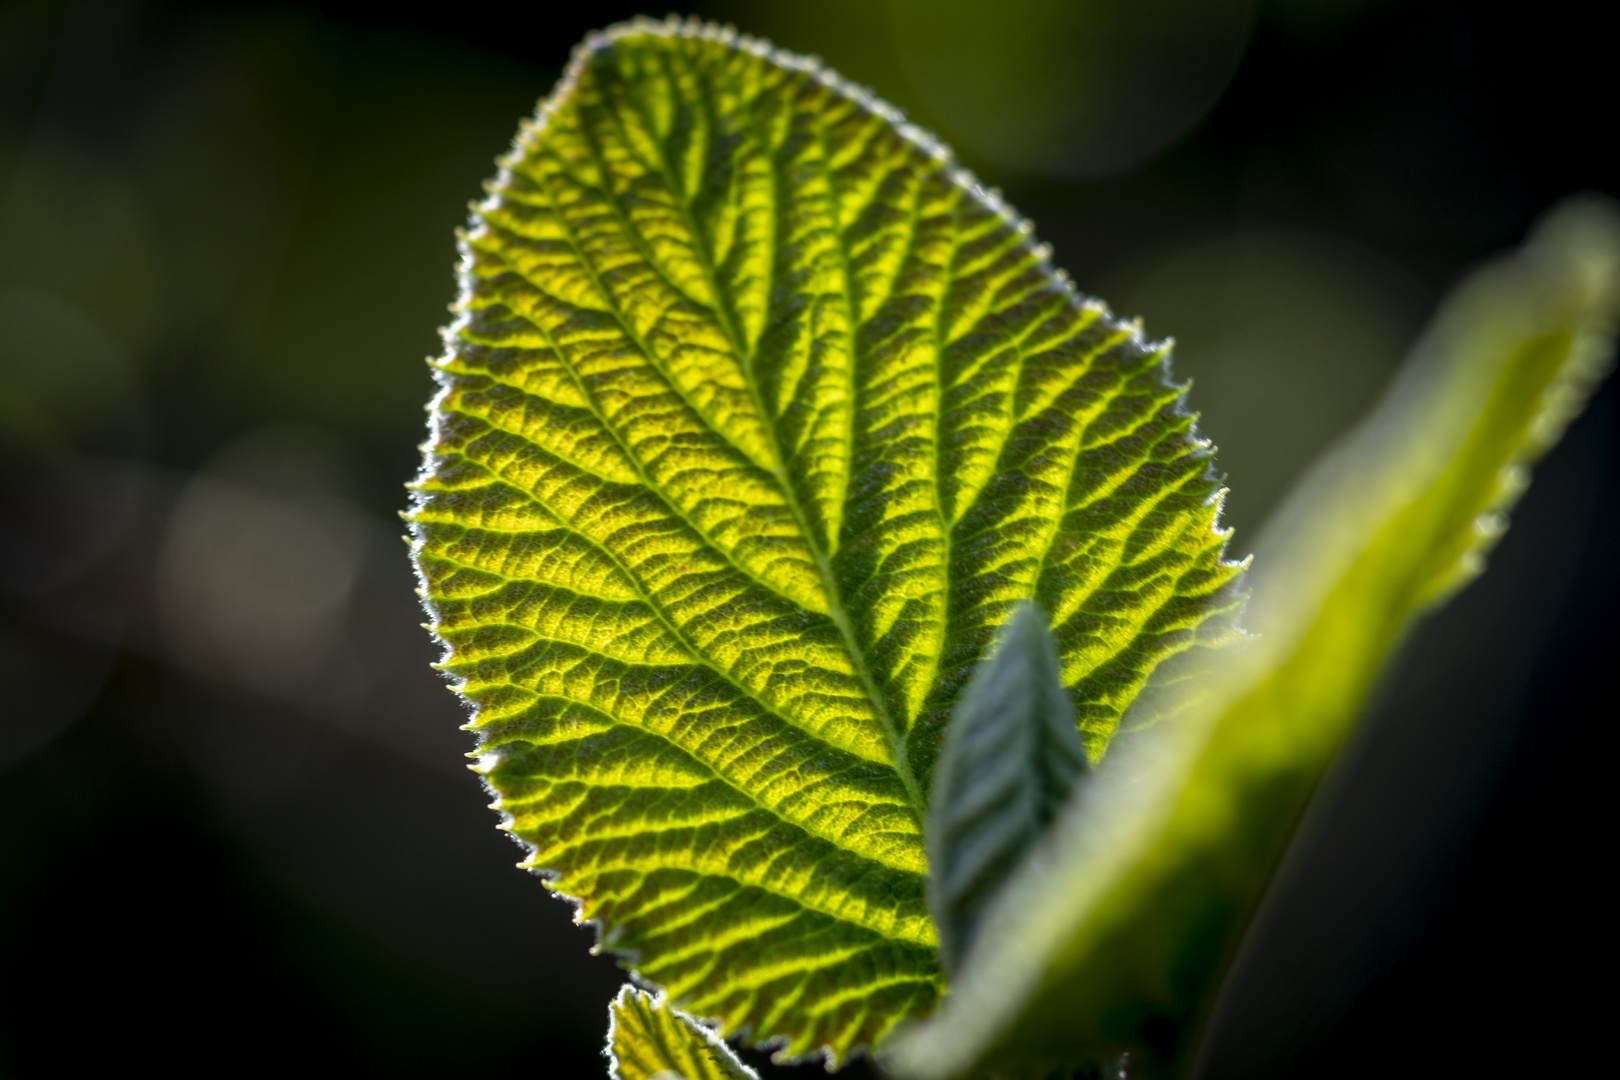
x,y
758,418
649,1040
1114,936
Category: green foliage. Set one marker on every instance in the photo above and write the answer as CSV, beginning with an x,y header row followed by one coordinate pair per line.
x,y
1011,759
648,1040
1113,936
758,419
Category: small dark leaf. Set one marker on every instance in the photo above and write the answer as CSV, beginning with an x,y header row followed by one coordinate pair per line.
x,y
1011,757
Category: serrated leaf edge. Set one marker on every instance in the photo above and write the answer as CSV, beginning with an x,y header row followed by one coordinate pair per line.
x,y
989,197
722,1053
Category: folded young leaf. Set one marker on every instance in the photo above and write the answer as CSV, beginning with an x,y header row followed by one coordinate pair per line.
x,y
758,418
649,1040
1114,935
1010,759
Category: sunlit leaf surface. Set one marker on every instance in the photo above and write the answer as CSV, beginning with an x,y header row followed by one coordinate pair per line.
x,y
758,418
1114,937
649,1040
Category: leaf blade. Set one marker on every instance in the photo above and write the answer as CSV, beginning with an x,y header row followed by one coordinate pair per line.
x,y
757,419
1139,901
649,1040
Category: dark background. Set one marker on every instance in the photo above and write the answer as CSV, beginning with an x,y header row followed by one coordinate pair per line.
x,y
235,831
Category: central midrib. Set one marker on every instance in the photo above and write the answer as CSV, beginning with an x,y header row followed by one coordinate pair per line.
x,y
745,358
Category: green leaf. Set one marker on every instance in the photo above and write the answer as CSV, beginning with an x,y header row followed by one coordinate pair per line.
x,y
648,1040
1114,936
1011,758
758,419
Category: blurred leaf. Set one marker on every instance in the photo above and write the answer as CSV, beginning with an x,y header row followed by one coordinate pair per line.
x,y
1113,937
648,1040
758,419
1010,759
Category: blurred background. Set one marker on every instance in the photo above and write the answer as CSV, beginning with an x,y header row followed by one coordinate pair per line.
x,y
236,831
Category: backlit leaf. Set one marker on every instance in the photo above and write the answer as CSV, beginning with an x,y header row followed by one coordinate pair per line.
x,y
649,1040
1113,937
758,419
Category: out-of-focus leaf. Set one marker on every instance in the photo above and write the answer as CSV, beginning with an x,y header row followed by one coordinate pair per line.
x,y
648,1040
1011,758
758,419
1113,938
